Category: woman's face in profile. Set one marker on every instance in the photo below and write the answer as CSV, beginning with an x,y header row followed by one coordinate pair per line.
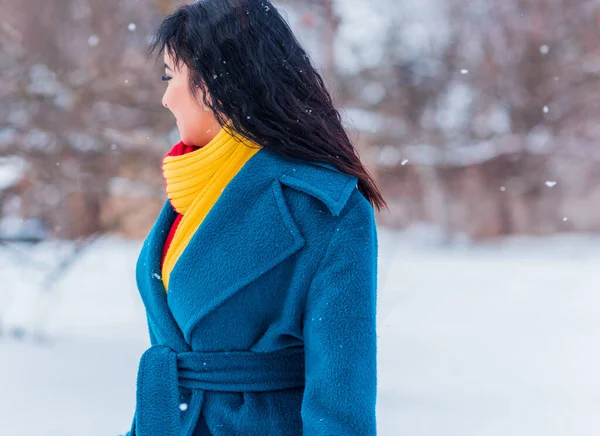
x,y
196,122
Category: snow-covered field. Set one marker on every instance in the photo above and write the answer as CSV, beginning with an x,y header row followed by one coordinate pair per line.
x,y
487,340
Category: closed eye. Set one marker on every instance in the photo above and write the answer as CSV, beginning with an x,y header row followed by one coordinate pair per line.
x,y
165,78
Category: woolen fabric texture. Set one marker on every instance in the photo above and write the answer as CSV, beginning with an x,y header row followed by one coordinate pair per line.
x,y
178,149
195,181
269,324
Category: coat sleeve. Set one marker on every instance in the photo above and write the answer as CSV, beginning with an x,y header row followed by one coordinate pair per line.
x,y
339,328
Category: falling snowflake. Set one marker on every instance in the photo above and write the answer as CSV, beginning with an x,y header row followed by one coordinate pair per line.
x,y
546,109
565,218
544,49
464,71
93,40
551,183
183,407
404,162
503,188
131,27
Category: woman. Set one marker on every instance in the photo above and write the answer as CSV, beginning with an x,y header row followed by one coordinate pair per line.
x,y
259,276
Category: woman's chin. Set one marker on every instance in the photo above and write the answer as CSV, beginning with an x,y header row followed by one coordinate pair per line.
x,y
186,139
182,134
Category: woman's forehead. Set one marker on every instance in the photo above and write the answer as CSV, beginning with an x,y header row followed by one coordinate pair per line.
x,y
169,58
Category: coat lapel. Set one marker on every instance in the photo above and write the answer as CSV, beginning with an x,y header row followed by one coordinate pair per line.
x,y
150,285
248,231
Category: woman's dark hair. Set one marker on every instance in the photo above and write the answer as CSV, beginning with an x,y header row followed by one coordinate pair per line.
x,y
251,69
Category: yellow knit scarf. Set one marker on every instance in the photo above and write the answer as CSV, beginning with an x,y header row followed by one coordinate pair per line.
x,y
195,181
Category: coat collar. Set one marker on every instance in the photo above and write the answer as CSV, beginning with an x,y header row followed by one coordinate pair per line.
x,y
251,219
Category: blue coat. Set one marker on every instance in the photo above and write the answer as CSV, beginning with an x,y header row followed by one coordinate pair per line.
x,y
268,327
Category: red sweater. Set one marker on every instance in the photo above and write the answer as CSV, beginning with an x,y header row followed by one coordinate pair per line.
x,y
178,150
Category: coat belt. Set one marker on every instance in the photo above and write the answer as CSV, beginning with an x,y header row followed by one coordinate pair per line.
x,y
162,371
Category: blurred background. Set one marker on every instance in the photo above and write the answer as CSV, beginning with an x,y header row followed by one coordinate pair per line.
x,y
480,121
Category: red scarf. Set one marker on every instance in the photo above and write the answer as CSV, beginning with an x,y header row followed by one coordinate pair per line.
x,y
178,150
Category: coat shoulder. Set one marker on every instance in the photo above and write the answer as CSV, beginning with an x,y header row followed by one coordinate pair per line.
x,y
322,181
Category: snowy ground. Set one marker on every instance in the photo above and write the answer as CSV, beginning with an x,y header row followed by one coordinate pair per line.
x,y
491,340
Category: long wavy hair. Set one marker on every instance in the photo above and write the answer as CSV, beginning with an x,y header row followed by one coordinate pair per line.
x,y
249,67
